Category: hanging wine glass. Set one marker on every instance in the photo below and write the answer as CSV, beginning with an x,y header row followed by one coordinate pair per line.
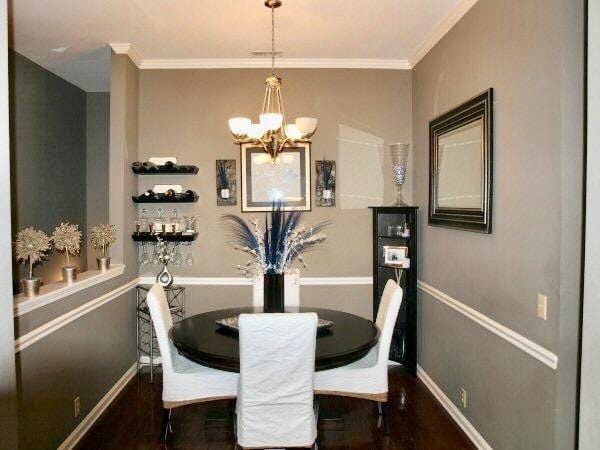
x,y
177,258
144,258
155,256
189,259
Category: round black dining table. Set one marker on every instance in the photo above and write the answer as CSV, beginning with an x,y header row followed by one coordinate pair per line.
x,y
200,339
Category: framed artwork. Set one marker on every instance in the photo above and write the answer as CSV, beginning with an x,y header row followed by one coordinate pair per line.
x,y
395,256
287,180
226,182
460,171
325,187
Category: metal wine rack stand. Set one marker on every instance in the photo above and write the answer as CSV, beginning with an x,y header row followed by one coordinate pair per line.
x,y
148,353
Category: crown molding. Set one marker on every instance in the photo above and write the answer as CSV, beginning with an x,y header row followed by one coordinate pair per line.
x,y
440,31
126,48
251,63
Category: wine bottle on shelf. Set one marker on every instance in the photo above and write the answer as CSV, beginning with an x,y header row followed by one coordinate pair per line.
x,y
171,165
148,194
136,165
149,166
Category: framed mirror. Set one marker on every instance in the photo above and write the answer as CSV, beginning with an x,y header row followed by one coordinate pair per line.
x,y
460,166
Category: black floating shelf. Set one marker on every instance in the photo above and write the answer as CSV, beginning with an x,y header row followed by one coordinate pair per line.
x,y
164,170
146,236
160,198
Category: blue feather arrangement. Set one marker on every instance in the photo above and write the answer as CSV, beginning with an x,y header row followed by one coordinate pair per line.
x,y
278,245
328,179
223,176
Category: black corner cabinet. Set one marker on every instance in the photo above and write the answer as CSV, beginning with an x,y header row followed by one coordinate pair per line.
x,y
389,230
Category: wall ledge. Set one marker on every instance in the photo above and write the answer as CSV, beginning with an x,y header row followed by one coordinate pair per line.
x,y
52,292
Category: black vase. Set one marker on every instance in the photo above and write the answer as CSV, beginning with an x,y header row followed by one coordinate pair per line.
x,y
274,293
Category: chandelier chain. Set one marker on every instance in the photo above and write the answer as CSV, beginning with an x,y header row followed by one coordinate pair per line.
x,y
273,39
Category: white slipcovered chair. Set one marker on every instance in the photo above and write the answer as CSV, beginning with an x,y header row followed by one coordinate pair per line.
x,y
291,288
184,381
368,377
275,404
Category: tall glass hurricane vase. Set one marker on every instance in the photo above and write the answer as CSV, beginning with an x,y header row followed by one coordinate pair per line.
x,y
399,157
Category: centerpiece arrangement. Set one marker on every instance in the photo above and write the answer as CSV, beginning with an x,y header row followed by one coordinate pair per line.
x,y
67,238
275,248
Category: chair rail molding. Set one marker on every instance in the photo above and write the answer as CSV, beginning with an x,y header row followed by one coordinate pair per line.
x,y
89,420
241,281
520,341
41,332
55,291
471,432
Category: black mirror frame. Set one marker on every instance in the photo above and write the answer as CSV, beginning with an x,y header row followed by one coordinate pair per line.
x,y
477,220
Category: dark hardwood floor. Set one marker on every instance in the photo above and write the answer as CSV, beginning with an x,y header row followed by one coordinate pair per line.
x,y
415,421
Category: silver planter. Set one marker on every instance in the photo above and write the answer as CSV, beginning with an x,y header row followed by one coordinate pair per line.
x,y
103,263
31,286
69,274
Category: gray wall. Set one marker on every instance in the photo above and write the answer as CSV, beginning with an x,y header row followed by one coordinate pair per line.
x,y
86,357
516,47
184,113
97,140
48,146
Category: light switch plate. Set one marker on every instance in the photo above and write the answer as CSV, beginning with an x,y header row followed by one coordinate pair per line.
x,y
542,307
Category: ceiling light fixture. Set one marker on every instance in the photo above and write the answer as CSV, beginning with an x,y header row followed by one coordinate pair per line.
x,y
272,133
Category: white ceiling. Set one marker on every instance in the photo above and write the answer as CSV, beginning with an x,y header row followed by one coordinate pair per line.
x,y
392,32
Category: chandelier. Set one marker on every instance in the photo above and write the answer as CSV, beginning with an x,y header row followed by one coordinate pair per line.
x,y
272,133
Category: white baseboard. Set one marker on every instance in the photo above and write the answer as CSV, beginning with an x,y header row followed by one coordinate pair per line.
x,y
85,425
454,412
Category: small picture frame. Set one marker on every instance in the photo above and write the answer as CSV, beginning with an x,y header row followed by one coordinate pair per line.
x,y
395,256
226,182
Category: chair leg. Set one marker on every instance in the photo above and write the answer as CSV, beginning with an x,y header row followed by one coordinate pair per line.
x,y
166,425
382,418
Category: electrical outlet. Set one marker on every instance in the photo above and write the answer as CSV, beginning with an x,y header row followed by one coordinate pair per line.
x,y
542,307
76,407
464,398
